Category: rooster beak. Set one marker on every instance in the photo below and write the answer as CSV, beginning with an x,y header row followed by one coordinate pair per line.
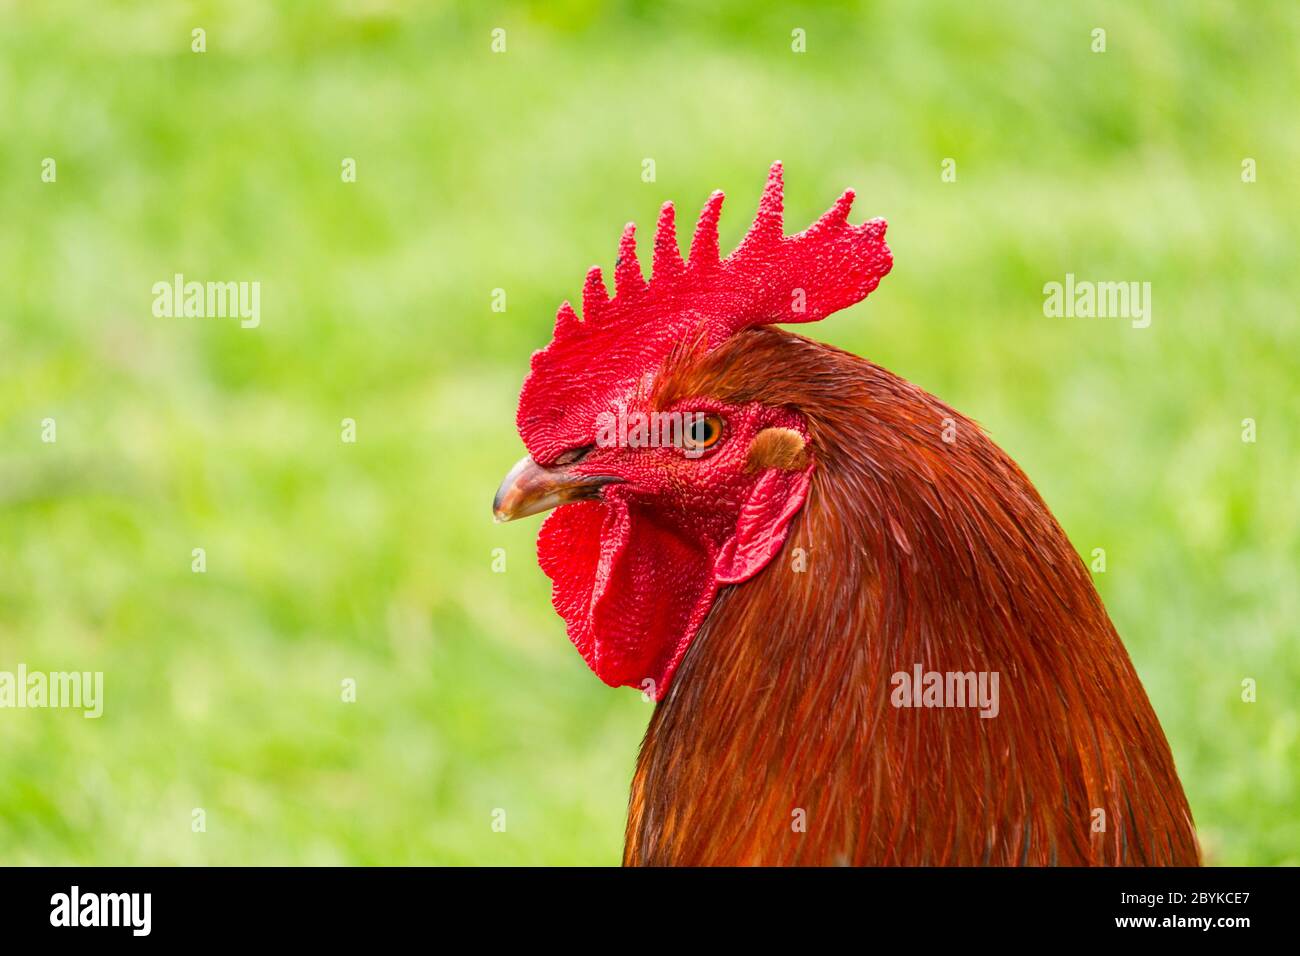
x,y
530,489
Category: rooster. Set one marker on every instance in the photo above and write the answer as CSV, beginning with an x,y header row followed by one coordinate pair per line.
x,y
869,641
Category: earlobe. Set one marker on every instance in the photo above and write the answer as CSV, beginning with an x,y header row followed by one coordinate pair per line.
x,y
763,523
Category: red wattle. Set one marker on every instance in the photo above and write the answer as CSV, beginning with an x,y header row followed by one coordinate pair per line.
x,y
632,591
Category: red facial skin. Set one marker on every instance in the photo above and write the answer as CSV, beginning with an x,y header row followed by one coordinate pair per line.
x,y
636,571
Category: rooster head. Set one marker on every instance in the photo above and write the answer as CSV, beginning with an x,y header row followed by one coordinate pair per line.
x,y
665,489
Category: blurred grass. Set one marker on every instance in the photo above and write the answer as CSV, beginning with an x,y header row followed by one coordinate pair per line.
x,y
477,171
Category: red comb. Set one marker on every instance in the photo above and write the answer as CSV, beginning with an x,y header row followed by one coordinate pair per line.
x,y
595,363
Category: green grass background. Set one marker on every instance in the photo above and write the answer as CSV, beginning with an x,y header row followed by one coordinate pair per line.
x,y
477,171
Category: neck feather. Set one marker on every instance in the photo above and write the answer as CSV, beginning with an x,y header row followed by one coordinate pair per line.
x,y
783,739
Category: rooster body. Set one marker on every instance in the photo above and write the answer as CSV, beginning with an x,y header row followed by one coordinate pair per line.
x,y
822,531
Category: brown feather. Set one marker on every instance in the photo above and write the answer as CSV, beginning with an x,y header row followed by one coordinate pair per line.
x,y
921,551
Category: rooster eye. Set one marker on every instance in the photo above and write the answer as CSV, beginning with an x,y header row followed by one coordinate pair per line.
x,y
702,432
